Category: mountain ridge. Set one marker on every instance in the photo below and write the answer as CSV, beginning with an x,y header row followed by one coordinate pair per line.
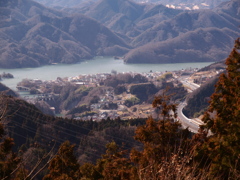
x,y
33,35
181,29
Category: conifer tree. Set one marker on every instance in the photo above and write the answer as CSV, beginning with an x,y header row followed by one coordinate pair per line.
x,y
115,165
161,139
8,159
64,166
89,172
223,120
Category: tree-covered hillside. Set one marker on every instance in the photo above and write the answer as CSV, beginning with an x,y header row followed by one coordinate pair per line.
x,y
33,35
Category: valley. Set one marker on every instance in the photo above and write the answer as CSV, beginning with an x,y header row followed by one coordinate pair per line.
x,y
103,96
119,89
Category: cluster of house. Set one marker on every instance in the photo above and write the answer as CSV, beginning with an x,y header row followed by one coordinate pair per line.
x,y
99,116
104,107
94,80
89,80
203,76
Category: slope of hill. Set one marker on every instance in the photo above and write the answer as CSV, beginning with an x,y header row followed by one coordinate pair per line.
x,y
190,36
7,91
198,100
28,126
128,17
33,35
182,23
201,45
119,15
153,14
169,35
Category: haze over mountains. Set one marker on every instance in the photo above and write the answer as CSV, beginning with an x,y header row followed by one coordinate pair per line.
x,y
183,4
32,35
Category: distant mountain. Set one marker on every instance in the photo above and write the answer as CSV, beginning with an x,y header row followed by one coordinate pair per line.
x,y
182,23
32,35
229,10
119,15
187,4
154,14
189,37
107,8
63,3
163,32
128,17
201,45
183,4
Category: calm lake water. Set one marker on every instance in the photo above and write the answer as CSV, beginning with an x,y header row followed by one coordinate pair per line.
x,y
97,65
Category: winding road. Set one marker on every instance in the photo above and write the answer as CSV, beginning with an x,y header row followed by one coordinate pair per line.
x,y
191,124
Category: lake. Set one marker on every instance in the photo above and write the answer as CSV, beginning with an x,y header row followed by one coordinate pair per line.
x,y
97,65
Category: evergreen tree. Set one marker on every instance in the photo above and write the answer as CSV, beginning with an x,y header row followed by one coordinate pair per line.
x,y
8,160
64,166
223,120
115,165
90,172
161,138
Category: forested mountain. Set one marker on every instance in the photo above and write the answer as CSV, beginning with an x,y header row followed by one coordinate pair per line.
x,y
119,15
33,35
158,33
183,23
204,35
201,45
125,16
